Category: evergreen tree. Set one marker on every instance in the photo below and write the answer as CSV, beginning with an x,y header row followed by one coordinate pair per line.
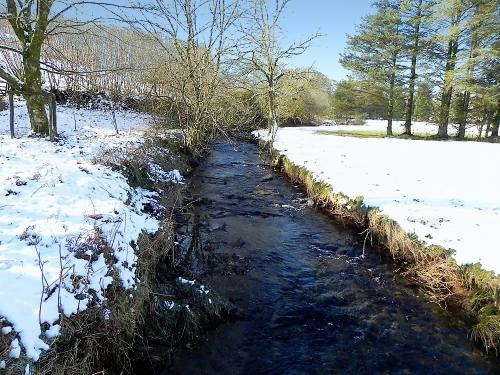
x,y
354,101
482,30
373,53
416,30
453,13
423,102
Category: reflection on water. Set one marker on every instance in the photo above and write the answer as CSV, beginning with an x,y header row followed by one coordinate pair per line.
x,y
311,304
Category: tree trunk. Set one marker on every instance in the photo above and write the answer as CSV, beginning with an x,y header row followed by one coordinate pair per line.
x,y
273,116
33,92
413,75
494,129
496,122
390,108
389,122
451,58
36,111
481,126
464,109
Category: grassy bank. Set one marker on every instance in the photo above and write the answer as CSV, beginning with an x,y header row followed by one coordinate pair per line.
x,y
469,288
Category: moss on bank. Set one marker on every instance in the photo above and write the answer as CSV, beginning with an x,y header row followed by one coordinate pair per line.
x,y
473,290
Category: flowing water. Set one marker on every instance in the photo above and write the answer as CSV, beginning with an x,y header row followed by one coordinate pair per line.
x,y
311,303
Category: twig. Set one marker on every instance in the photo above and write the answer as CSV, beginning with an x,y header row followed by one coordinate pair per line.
x,y
40,264
59,307
368,232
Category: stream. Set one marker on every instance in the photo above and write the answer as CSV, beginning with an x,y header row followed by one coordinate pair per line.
x,y
311,304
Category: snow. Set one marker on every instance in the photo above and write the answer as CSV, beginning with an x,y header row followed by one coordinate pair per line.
x,y
157,174
186,282
447,193
53,331
15,349
54,198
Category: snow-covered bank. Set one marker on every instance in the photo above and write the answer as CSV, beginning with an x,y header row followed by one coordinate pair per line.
x,y
54,198
447,193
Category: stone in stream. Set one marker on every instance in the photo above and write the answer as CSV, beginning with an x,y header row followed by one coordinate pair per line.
x,y
267,177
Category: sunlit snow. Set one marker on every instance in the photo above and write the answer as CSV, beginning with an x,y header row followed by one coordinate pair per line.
x,y
446,192
54,194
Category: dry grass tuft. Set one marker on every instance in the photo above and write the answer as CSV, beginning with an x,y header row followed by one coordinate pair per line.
x,y
5,341
102,337
482,281
440,280
487,331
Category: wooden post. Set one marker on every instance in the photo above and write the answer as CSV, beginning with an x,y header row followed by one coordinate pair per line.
x,y
11,109
54,114
114,120
51,113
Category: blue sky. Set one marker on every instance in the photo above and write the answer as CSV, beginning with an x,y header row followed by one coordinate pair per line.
x,y
334,18
302,18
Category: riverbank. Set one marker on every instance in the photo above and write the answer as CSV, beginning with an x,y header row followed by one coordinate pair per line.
x,y
87,223
349,189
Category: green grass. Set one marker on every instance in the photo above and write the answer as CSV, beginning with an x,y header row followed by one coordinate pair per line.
x,y
383,134
370,134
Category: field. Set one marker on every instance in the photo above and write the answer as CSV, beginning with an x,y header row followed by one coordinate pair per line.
x,y
444,192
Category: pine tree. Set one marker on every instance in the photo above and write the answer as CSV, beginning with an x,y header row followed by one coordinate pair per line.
x,y
423,102
416,30
481,31
373,53
453,12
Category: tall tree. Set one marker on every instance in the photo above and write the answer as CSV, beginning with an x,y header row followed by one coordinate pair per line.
x,y
482,30
373,53
454,12
29,22
264,52
416,31
489,88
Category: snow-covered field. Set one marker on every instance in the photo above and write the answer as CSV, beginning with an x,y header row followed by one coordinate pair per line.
x,y
398,128
447,193
53,198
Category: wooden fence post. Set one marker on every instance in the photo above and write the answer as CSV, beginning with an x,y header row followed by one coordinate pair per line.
x,y
11,109
51,113
54,114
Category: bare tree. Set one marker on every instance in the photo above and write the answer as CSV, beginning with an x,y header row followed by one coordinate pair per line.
x,y
32,22
196,37
29,21
264,53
